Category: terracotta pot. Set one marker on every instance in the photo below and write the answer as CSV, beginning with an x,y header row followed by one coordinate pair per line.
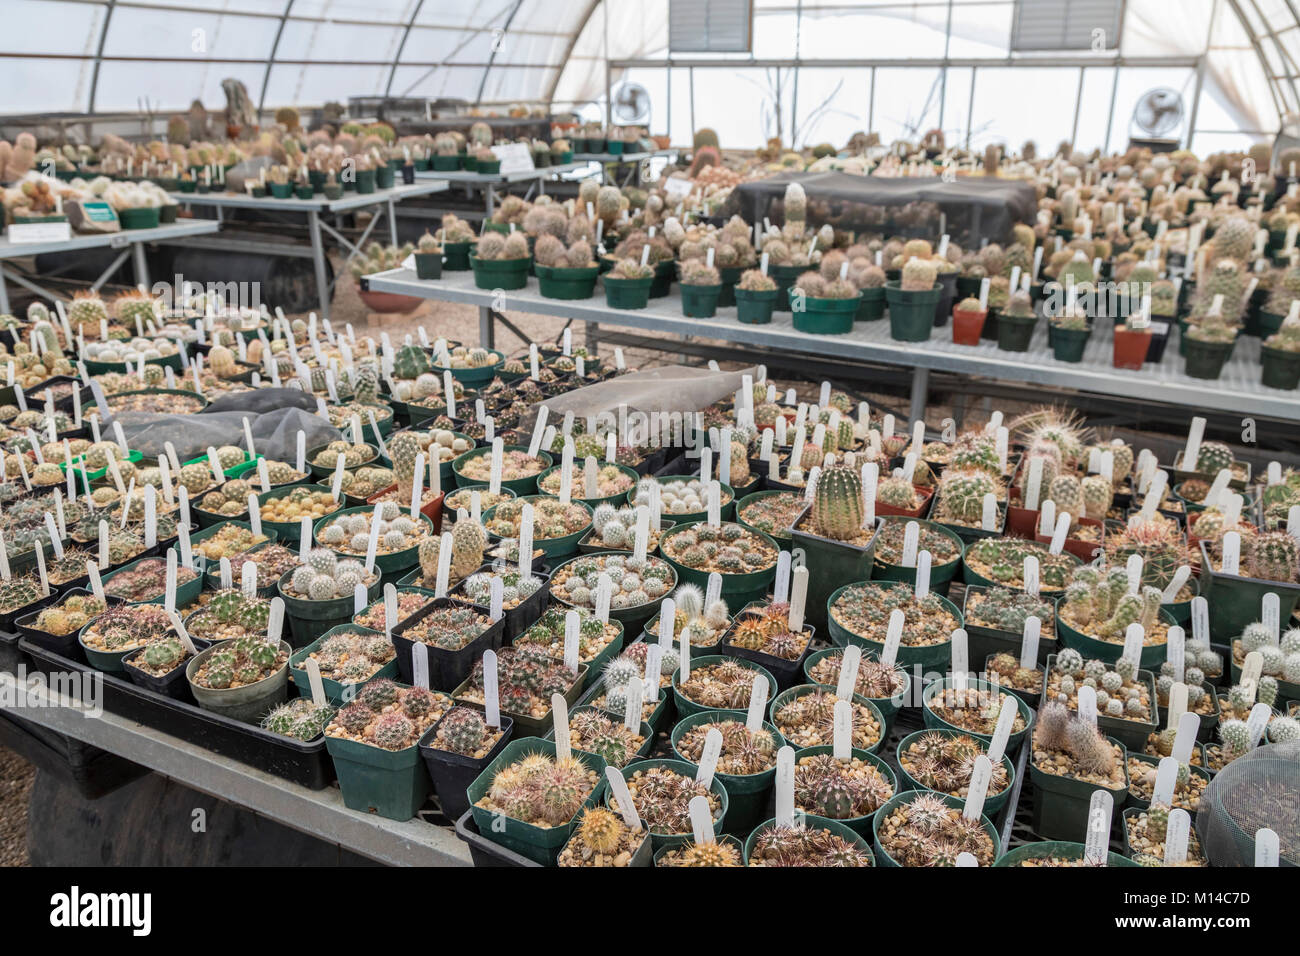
x,y
966,326
1130,348
388,302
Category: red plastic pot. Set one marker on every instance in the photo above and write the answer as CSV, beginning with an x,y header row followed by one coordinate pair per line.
x,y
966,326
925,495
1131,348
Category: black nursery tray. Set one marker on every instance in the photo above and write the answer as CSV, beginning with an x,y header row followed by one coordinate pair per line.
x,y
306,764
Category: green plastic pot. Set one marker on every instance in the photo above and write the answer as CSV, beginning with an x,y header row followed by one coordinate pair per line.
x,y
1279,368
737,589
1235,600
550,547
392,563
824,316
1154,762
519,486
632,619
719,838
754,306
726,512
488,167
831,565
108,661
186,593
540,844
659,714
783,540
1058,848
1205,359
308,620
366,180
384,177
911,313
882,855
993,803
288,530
933,655
388,783
785,277
1067,344
1269,322
563,283
661,840
700,301
941,575
615,499
473,377
803,690
645,730
446,164
1061,804
859,825
428,265
505,274
1152,654
932,720
455,256
688,708
325,473
335,690
1014,332
665,273
839,828
730,276
526,724
888,706
871,305
145,217
746,794
627,293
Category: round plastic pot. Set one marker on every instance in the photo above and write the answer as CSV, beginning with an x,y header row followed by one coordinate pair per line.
x,y
383,177
447,669
831,565
785,277
720,838
727,512
500,273
990,331
781,539
325,473
871,305
665,273
839,827
1061,804
186,593
700,301
933,720
746,794
721,818
859,825
452,773
1058,848
1014,332
309,620
1279,369
446,164
941,575
882,855
1090,647
390,563
754,306
616,499
633,619
687,707
993,803
737,589
388,783
286,530
966,326
428,265
888,706
824,316
560,547
240,703
564,283
803,690
519,486
539,844
1205,359
334,690
1068,344
627,293
911,312
145,217
455,256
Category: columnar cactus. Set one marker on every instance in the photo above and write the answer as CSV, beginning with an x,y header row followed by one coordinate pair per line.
x,y
1098,493
918,275
1066,491
402,449
837,503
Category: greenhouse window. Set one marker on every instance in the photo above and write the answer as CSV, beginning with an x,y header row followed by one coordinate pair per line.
x,y
711,26
1043,25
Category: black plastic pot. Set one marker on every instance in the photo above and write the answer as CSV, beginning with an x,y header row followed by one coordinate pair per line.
x,y
948,291
1280,369
452,773
1015,332
522,616
171,684
447,669
1205,359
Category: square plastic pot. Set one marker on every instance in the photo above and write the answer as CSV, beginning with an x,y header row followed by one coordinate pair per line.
x,y
831,565
1015,332
388,783
1061,804
334,690
447,669
452,773
1235,600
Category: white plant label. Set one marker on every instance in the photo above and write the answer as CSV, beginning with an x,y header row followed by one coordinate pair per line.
x,y
1177,836
893,637
911,541
1176,648
960,662
621,796
1030,574
1096,846
785,787
491,692
1029,638
709,757
560,710
980,776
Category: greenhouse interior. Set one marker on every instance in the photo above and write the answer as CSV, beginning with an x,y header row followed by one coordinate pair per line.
x,y
934,371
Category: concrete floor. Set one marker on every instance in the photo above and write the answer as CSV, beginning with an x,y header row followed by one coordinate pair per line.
x,y
16,776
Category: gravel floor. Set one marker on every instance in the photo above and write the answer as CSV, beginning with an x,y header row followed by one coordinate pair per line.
x,y
16,776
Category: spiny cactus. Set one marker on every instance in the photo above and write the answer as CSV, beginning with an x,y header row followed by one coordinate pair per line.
x,y
837,504
919,275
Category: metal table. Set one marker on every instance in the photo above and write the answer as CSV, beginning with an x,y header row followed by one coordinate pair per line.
x,y
129,241
1239,389
318,813
489,182
315,209
616,159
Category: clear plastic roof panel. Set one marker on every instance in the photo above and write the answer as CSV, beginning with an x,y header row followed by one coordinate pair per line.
x,y
809,78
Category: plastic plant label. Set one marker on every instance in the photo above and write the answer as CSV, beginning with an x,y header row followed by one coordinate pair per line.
x,y
1134,635
248,579
1030,575
1133,568
1185,736
1217,488
1002,733
301,465
560,710
960,662
1029,638
96,582
491,692
1268,849
40,569
650,682
781,587
169,585
709,757
1176,584
1096,845
1175,651
1034,483
1177,835
571,640
989,513
698,809
850,661
420,665
1087,697
1231,563
923,563
683,653
785,787
798,599
1047,518
1259,717
1200,620
619,792
1193,447
444,565
893,637
227,573
1166,778
641,533
911,540
183,539
604,594
980,776
539,427
1270,615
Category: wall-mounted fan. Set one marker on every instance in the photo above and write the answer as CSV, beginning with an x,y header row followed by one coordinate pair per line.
x,y
1158,112
631,105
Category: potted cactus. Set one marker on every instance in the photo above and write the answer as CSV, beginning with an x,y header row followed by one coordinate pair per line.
x,y
1071,759
870,280
922,828
428,257
945,549
756,294
1207,346
1125,695
601,838
967,321
661,791
1271,564
745,560
527,677
1098,608
501,261
823,307
944,760
859,614
1279,357
455,751
912,300
565,273
456,238
1069,333
838,543
701,286
346,656
627,285
1016,323
454,635
816,841
746,764
240,678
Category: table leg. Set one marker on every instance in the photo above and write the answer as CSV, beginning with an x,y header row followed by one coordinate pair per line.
x,y
318,259
593,338
920,391
491,199
4,295
486,327
392,222
141,265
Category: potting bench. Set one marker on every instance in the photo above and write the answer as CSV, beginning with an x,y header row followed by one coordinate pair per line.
x,y
315,210
488,182
318,813
130,242
1237,391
